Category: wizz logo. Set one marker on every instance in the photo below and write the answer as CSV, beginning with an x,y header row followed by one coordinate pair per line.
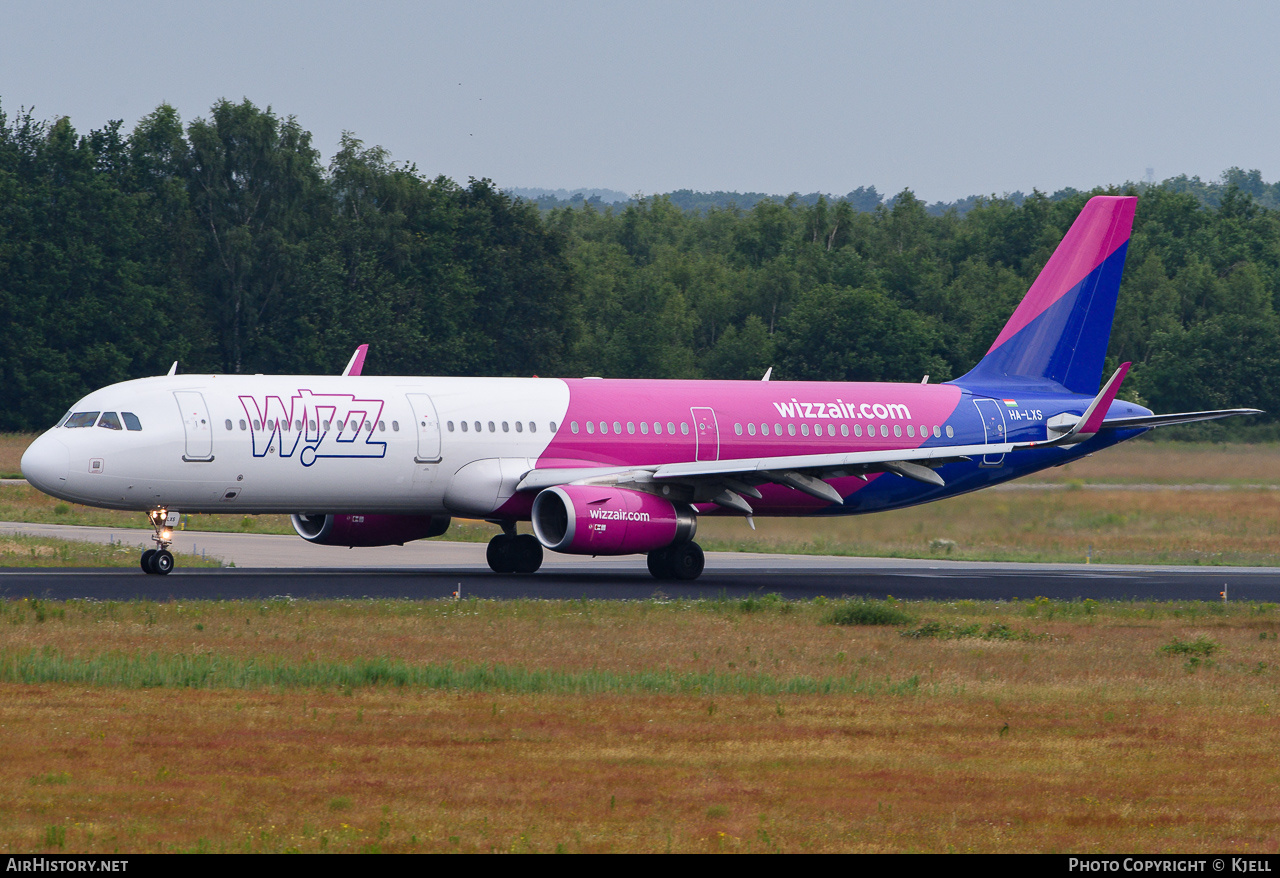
x,y
315,425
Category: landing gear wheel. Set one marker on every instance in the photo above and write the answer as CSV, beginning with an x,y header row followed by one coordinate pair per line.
x,y
525,553
658,565
147,557
681,562
162,562
500,556
686,561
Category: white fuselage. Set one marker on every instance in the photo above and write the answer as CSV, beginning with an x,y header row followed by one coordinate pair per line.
x,y
222,443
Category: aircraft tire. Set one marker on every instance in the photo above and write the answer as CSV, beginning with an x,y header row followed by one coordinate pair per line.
x,y
500,556
658,564
147,557
525,553
162,562
686,561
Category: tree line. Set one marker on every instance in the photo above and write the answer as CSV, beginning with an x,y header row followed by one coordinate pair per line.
x,y
228,244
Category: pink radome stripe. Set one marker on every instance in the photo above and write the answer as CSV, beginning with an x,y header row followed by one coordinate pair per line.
x,y
1102,227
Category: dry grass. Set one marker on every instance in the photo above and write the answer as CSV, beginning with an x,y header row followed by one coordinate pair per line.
x,y
1085,736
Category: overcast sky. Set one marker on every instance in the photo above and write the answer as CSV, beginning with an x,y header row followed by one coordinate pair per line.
x,y
948,99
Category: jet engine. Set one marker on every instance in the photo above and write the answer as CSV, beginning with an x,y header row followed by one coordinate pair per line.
x,y
584,520
368,530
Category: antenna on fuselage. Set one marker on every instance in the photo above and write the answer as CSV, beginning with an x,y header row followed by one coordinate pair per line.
x,y
173,370
767,373
924,380
356,364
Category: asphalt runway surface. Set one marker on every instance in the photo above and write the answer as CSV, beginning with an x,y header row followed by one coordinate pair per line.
x,y
272,566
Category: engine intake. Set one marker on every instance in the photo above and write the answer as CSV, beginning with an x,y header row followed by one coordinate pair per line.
x,y
368,530
585,520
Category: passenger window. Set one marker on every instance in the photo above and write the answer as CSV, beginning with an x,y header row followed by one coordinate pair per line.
x,y
110,420
395,426
243,425
751,428
591,427
737,429
257,425
382,426
464,426
791,429
937,433
857,430
519,426
229,427
657,429
604,428
644,428
574,426
911,431
804,429
671,428
950,433
297,425
844,429
777,430
684,428
897,431
506,428
764,429
631,428
83,419
617,427
492,429
884,431
831,429
477,426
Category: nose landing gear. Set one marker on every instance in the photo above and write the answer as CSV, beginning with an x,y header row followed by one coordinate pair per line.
x,y
159,560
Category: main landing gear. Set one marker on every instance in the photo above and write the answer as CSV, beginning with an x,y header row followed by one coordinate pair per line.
x,y
510,552
681,561
159,561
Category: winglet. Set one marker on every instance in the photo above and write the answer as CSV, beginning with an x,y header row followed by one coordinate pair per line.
x,y
356,365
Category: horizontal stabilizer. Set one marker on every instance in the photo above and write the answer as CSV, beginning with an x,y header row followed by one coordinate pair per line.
x,y
1180,418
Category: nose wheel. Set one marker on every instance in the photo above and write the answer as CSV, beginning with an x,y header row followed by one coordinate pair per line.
x,y
159,561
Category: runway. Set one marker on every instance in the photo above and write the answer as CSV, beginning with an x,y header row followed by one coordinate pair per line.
x,y
272,566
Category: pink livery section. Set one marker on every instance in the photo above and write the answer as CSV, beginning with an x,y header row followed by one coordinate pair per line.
x,y
620,422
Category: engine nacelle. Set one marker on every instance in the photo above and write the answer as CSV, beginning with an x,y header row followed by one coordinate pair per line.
x,y
583,520
368,530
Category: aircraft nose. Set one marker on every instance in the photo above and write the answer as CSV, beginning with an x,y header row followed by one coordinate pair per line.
x,y
45,464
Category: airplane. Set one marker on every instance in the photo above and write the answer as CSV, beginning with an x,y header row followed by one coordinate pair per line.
x,y
602,466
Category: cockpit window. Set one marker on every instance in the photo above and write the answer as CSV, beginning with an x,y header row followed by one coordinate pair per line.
x,y
83,419
131,421
110,420
62,420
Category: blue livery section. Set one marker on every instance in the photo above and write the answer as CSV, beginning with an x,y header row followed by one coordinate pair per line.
x,y
1063,348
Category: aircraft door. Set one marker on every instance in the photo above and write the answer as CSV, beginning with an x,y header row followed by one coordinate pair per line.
x,y
994,427
706,434
195,422
427,425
